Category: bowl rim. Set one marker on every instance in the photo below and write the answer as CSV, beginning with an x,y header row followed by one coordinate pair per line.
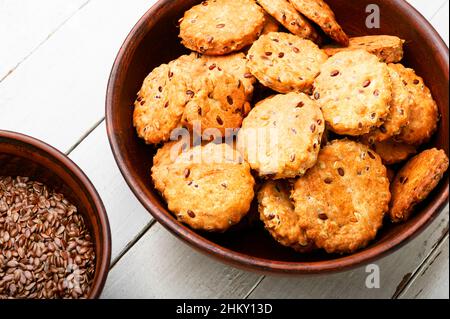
x,y
67,163
256,263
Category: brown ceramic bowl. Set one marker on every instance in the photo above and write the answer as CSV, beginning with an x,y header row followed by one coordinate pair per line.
x,y
154,40
21,155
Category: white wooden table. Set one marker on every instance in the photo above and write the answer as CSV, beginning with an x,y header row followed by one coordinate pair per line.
x,y
55,59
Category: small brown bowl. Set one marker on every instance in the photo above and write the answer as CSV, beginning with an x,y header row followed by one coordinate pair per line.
x,y
154,40
21,155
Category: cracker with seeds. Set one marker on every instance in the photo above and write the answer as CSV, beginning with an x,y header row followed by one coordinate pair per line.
x,y
281,136
207,187
291,19
285,62
234,64
277,212
218,27
387,48
392,152
332,200
415,181
400,108
319,12
354,90
159,106
424,113
215,99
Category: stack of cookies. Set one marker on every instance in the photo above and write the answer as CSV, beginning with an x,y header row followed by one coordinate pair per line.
x,y
318,152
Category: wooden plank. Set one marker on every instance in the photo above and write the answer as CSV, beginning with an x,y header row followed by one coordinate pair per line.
x,y
395,271
440,21
26,24
432,281
427,8
58,93
126,215
161,266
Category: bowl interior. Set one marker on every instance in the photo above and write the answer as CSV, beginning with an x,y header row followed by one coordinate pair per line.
x,y
23,156
154,40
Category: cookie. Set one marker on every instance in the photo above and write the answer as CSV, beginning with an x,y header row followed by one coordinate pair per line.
x,y
215,99
285,13
164,157
281,136
158,110
399,112
235,64
392,152
415,181
424,113
342,200
320,13
387,48
285,62
208,187
277,212
271,25
354,90
218,27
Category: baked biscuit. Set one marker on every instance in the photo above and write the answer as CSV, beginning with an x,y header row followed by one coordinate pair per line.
x,y
277,212
164,157
281,136
415,181
208,187
424,113
285,62
159,106
218,27
216,99
392,152
235,64
333,200
354,90
271,25
285,13
387,48
399,113
319,12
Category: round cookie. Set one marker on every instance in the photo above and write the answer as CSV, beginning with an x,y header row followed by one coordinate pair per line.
x,y
218,27
387,48
392,152
158,110
285,62
399,113
277,212
236,65
333,202
285,13
415,181
215,99
354,90
424,113
319,12
208,187
271,25
281,136
164,157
